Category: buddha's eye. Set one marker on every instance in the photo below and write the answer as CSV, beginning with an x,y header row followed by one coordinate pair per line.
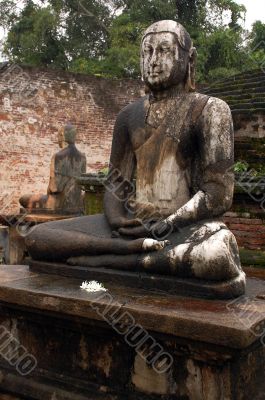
x,y
148,50
165,49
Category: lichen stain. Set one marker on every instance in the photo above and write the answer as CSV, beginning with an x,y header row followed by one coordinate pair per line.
x,y
104,359
194,381
50,301
84,355
100,358
147,380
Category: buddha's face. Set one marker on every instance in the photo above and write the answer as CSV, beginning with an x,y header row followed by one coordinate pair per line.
x,y
164,62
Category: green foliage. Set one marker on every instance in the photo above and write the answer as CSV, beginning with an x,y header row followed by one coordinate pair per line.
x,y
122,58
221,54
34,40
87,66
221,73
257,36
8,13
104,171
256,46
240,166
219,8
86,28
103,37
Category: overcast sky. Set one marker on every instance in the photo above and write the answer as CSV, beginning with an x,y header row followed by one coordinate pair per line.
x,y
255,11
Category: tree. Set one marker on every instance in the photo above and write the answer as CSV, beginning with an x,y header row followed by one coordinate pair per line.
x,y
221,52
121,58
216,46
34,38
103,36
85,24
257,36
8,13
256,46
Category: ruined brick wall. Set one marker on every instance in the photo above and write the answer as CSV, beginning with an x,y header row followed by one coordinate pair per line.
x,y
34,105
249,232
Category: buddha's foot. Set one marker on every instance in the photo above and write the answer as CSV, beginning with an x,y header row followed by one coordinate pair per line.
x,y
154,245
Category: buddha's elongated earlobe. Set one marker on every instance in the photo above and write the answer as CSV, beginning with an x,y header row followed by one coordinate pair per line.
x,y
190,83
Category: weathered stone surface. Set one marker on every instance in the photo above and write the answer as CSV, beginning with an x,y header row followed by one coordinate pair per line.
x,y
216,346
245,95
148,281
94,186
169,224
196,319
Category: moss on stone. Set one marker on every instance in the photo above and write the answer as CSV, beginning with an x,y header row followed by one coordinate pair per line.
x,y
255,258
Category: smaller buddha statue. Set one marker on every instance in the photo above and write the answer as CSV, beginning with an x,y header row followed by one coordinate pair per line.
x,y
63,194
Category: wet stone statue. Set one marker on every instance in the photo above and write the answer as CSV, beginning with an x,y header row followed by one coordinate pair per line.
x,y
177,146
64,195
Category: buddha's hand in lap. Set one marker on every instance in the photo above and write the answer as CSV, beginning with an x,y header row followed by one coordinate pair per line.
x,y
154,245
122,222
158,230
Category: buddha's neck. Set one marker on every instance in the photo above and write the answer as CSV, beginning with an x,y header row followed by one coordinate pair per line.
x,y
168,93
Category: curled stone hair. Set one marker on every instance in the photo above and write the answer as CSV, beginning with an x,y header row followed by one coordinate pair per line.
x,y
184,41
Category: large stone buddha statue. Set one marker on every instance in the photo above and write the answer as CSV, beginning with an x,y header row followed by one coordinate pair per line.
x,y
178,146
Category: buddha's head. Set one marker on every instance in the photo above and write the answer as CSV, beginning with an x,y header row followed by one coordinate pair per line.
x,y
167,56
69,134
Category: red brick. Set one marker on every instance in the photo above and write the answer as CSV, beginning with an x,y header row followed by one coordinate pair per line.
x,y
28,145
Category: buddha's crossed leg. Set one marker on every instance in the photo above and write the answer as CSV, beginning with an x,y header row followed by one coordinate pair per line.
x,y
207,250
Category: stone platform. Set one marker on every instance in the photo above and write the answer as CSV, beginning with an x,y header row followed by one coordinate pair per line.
x,y
127,343
151,282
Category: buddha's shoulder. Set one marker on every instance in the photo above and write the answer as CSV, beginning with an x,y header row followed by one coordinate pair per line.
x,y
210,101
132,108
69,152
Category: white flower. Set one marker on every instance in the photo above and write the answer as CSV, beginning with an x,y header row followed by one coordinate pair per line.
x,y
93,286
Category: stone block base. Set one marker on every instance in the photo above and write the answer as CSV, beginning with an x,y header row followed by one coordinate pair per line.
x,y
151,282
59,342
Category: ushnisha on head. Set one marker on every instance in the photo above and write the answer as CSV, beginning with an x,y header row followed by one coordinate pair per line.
x,y
168,57
69,134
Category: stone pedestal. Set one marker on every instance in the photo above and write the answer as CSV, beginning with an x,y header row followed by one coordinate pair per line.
x,y
94,186
4,243
58,341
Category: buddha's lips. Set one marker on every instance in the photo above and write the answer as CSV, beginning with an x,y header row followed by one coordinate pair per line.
x,y
154,74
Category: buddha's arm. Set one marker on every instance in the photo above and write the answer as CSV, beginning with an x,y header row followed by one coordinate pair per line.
x,y
52,187
119,184
57,181
216,146
83,167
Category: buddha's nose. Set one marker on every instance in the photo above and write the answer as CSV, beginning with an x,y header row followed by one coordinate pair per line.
x,y
154,59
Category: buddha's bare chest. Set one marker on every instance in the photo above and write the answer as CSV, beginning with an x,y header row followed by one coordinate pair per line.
x,y
165,127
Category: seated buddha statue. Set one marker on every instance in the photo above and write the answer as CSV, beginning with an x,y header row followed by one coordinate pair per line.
x,y
178,147
63,193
